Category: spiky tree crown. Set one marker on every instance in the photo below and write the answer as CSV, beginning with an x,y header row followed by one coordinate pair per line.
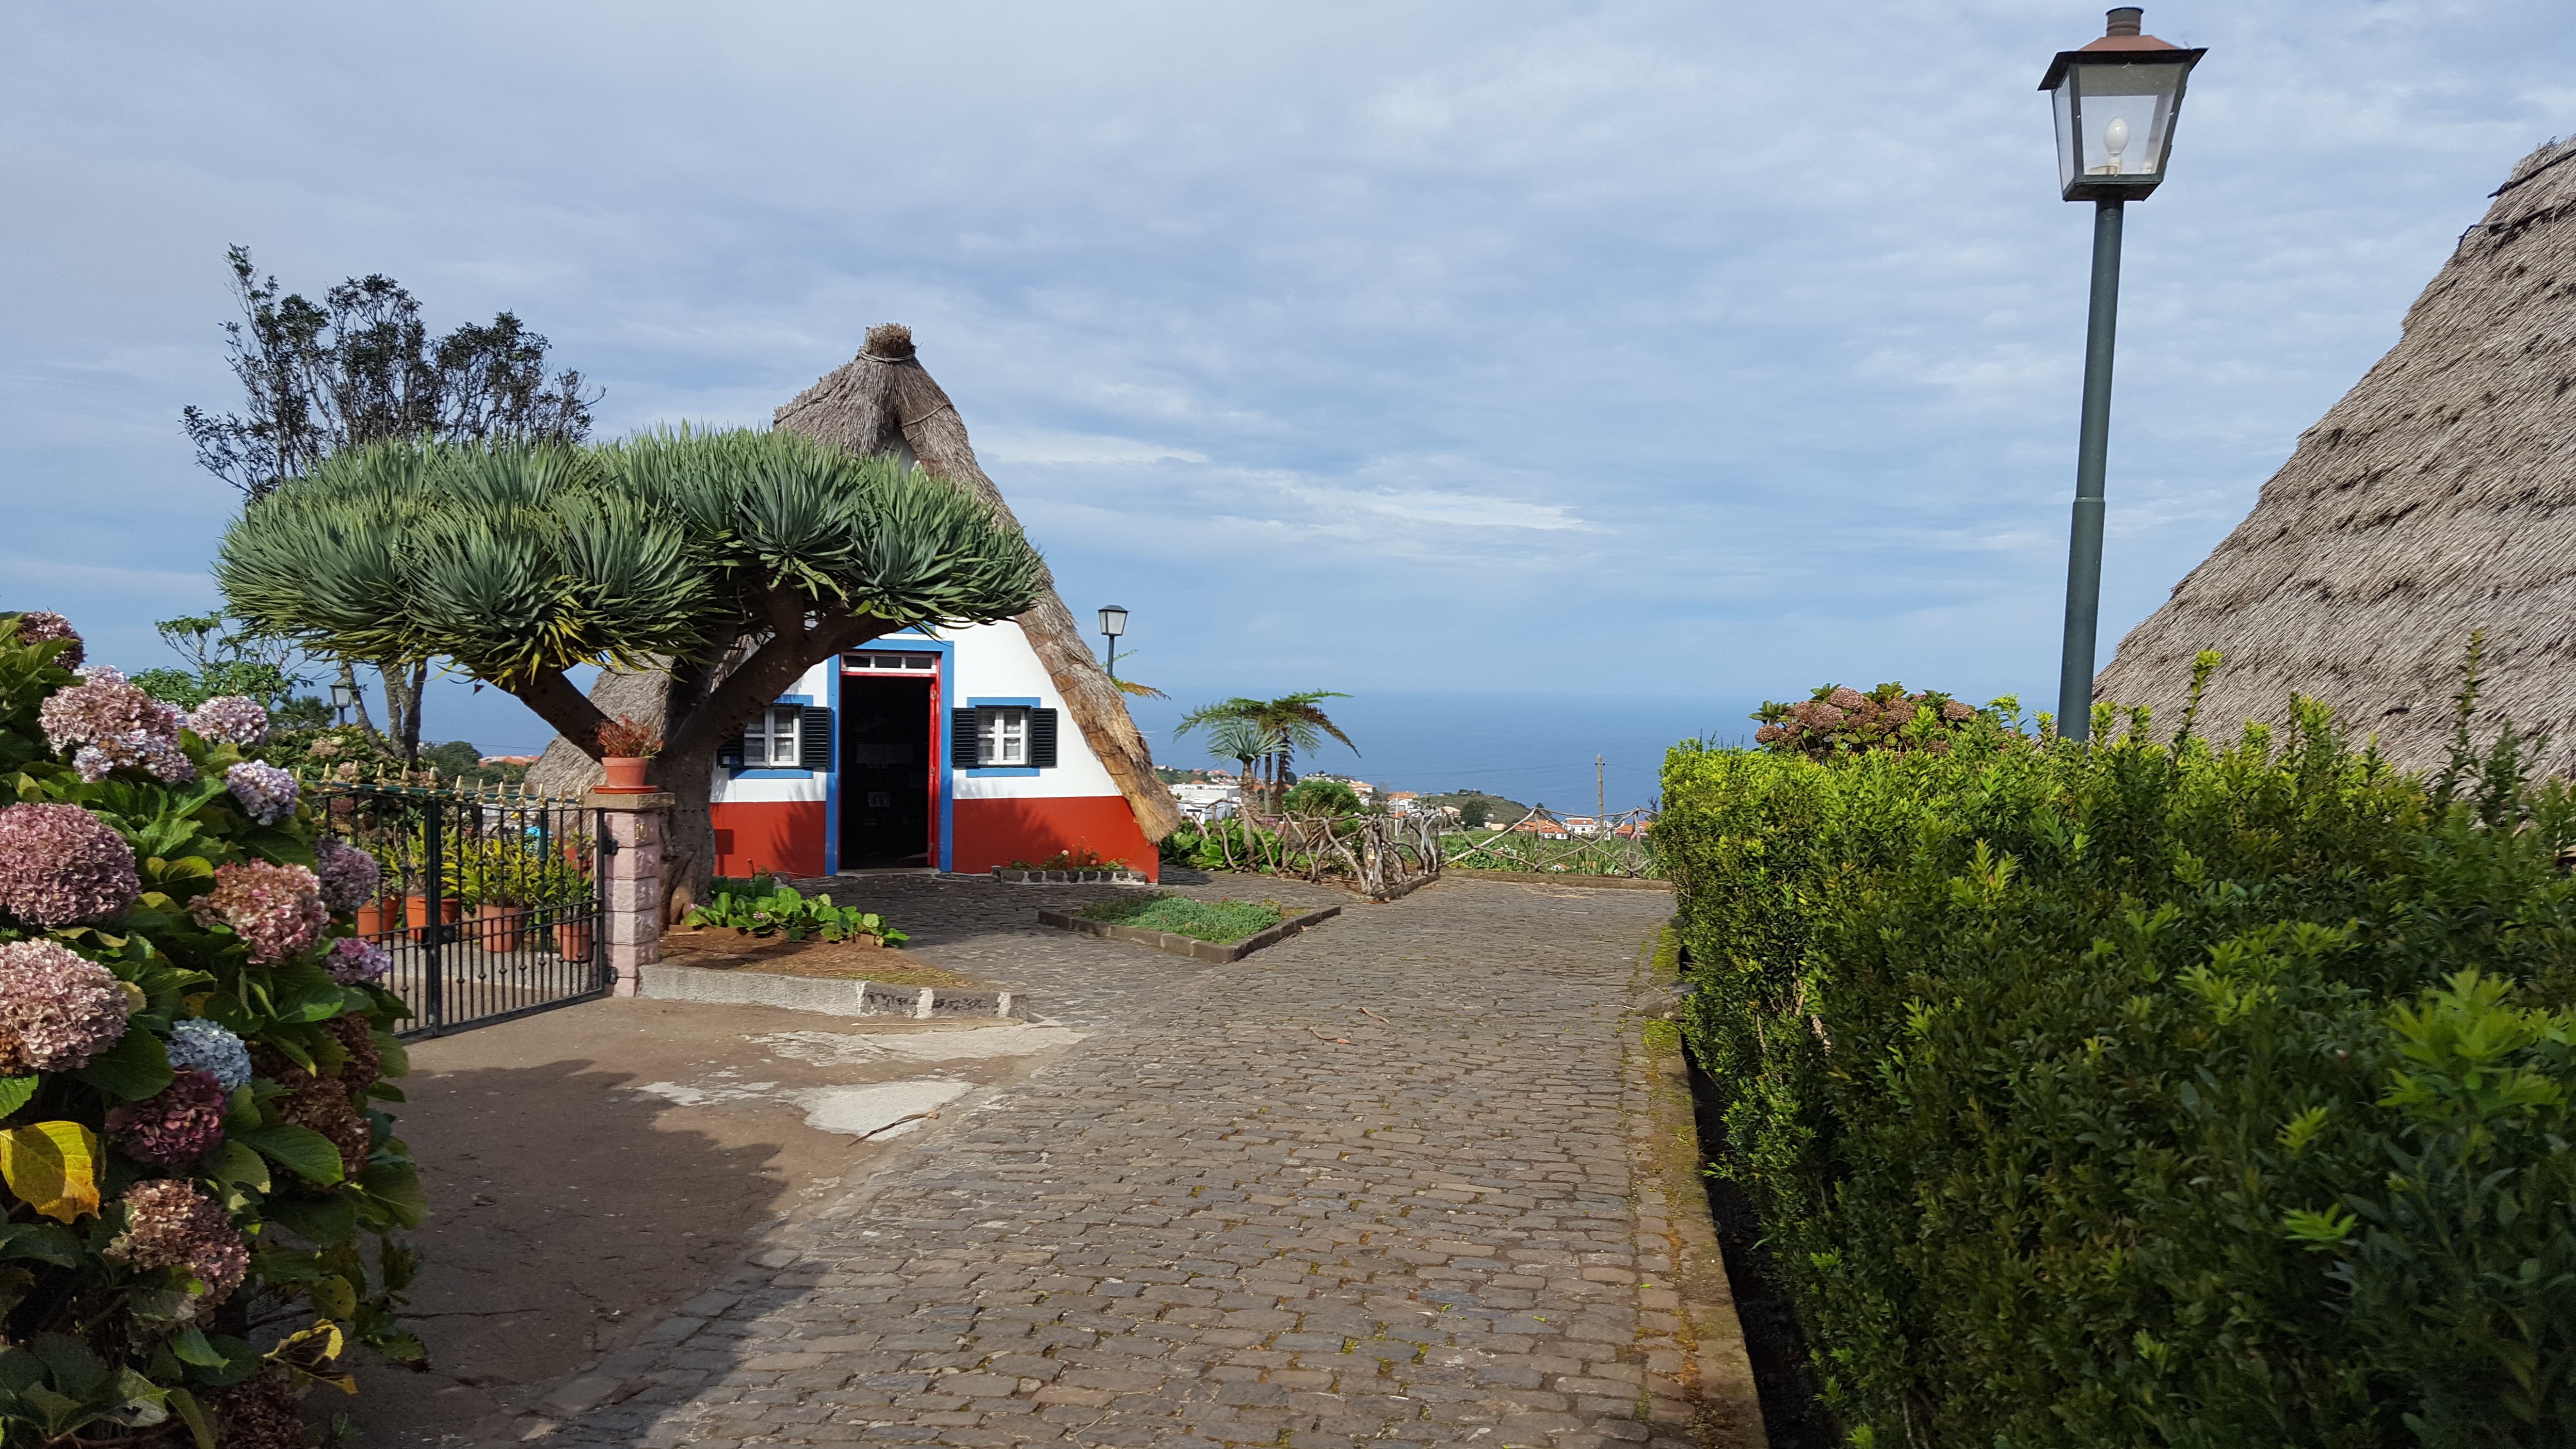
x,y
518,561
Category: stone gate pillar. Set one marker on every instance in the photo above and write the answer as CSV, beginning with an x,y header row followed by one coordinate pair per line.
x,y
631,894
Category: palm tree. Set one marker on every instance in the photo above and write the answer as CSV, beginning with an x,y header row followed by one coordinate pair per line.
x,y
1238,738
1298,720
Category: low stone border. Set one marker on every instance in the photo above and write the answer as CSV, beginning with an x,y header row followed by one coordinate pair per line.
x,y
1070,877
1560,877
835,997
1190,946
1699,1376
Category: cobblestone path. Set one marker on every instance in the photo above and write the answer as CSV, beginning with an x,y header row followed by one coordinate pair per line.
x,y
1242,1211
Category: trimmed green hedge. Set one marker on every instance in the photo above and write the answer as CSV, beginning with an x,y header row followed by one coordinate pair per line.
x,y
2161,1095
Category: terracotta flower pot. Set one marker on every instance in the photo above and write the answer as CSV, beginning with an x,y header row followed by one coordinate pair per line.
x,y
378,917
416,914
500,927
573,939
625,775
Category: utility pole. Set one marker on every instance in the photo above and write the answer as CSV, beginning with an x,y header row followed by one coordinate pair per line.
x,y
1600,795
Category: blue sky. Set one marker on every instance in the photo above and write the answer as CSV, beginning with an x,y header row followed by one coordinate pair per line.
x,y
1605,367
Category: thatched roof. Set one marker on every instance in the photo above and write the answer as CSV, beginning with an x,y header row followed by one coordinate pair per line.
x,y
883,401
2439,496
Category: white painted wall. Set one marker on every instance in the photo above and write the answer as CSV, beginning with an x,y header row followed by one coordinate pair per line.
x,y
815,684
995,661
992,661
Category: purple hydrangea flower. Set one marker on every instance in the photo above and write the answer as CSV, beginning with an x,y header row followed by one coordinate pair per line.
x,y
115,726
350,876
43,626
57,1010
230,718
61,865
266,793
199,1045
169,1224
357,962
182,1124
276,908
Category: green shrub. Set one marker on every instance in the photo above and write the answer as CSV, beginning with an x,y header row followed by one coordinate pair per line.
x,y
1322,797
2154,1095
787,911
1219,921
192,1183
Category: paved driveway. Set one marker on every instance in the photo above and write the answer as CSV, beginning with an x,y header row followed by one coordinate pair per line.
x,y
1241,1210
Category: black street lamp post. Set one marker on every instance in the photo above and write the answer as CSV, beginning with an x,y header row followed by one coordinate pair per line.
x,y
2116,100
1113,622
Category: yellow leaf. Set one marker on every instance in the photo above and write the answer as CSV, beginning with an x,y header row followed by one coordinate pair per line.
x,y
52,1166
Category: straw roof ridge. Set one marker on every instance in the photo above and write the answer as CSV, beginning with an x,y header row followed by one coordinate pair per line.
x,y
2437,497
884,401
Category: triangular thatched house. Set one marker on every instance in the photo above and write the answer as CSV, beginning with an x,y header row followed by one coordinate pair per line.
x,y
2439,496
965,751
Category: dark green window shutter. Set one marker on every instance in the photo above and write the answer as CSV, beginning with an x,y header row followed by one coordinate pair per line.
x,y
814,738
1042,738
962,741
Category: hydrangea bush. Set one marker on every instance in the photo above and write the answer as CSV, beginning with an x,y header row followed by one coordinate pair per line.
x,y
193,1054
1838,719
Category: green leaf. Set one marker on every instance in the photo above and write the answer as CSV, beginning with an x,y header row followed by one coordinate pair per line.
x,y
76,1371
135,1068
44,1242
238,1361
15,1093
334,1297
238,1165
302,1150
322,1221
189,1343
394,1187
19,1370
199,1427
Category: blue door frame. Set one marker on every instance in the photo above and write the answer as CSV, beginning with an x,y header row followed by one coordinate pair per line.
x,y
940,777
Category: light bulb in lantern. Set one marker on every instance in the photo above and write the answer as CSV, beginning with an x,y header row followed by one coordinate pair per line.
x,y
2115,139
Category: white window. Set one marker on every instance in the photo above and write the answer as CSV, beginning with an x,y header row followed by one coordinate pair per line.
x,y
771,738
1002,735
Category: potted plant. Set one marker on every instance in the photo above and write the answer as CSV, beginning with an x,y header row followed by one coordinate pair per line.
x,y
626,751
417,886
494,874
560,887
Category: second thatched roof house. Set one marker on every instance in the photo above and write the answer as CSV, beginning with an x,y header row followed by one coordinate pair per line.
x,y
2438,497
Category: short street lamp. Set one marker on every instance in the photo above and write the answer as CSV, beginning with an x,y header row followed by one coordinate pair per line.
x,y
342,697
1113,622
2116,101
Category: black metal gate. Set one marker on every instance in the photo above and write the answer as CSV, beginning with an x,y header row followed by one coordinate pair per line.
x,y
491,905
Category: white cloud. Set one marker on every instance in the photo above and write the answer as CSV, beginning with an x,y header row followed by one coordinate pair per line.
x,y
1768,340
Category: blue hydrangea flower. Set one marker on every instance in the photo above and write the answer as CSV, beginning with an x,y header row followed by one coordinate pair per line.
x,y
198,1045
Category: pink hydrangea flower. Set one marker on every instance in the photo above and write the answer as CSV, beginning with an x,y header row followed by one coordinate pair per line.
x,y
230,718
357,962
350,876
43,626
57,1010
113,725
1847,697
276,908
61,865
266,793
1956,711
169,1224
182,1124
